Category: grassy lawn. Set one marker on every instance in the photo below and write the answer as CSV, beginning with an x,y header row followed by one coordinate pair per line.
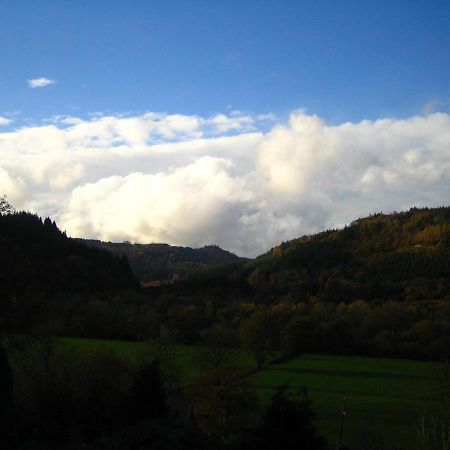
x,y
384,396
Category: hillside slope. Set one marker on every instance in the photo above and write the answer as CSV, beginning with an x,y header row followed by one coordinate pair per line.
x,y
164,262
36,256
404,256
400,256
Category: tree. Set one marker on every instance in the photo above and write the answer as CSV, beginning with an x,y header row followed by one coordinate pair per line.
x,y
170,433
219,341
102,391
166,356
5,206
43,398
300,335
288,423
258,334
221,399
6,401
148,393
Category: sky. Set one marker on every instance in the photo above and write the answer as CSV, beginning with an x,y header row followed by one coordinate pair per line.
x,y
242,124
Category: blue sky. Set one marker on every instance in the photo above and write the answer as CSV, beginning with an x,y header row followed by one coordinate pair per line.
x,y
238,123
342,60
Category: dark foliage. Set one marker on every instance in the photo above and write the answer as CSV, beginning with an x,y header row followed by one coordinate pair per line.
x,y
148,393
289,423
35,256
7,434
65,396
163,434
378,287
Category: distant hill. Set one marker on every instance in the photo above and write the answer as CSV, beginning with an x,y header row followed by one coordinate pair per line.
x,y
36,256
401,256
164,262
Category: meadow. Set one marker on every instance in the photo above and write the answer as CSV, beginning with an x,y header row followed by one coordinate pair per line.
x,y
384,397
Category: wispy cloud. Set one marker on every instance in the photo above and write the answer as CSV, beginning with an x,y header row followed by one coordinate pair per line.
x,y
4,121
40,82
435,105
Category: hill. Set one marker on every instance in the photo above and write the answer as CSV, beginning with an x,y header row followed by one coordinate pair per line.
x,y
165,262
401,256
36,256
380,286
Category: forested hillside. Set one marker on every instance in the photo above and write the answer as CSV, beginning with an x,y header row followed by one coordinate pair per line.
x,y
165,262
401,256
379,286
36,256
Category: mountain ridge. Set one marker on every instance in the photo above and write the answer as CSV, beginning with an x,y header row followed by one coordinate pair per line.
x,y
164,262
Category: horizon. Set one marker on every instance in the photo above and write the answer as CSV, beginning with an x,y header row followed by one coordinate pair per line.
x,y
338,228
244,125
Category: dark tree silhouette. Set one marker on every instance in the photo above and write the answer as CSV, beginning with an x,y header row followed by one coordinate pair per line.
x,y
288,423
5,206
148,393
7,436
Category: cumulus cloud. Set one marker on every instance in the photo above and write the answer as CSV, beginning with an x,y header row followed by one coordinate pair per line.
x,y
190,180
186,204
4,121
40,82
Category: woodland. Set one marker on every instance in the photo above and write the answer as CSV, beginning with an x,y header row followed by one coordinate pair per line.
x,y
379,287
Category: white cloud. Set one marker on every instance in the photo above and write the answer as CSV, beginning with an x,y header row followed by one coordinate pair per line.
x,y
4,121
40,82
187,204
189,180
222,123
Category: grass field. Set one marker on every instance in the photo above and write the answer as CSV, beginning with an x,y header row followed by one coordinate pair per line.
x,y
385,397
187,358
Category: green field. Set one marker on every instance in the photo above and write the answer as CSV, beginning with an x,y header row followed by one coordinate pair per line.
x,y
188,359
385,397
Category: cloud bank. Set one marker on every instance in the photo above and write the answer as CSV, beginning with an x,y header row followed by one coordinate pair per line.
x,y
40,82
188,180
